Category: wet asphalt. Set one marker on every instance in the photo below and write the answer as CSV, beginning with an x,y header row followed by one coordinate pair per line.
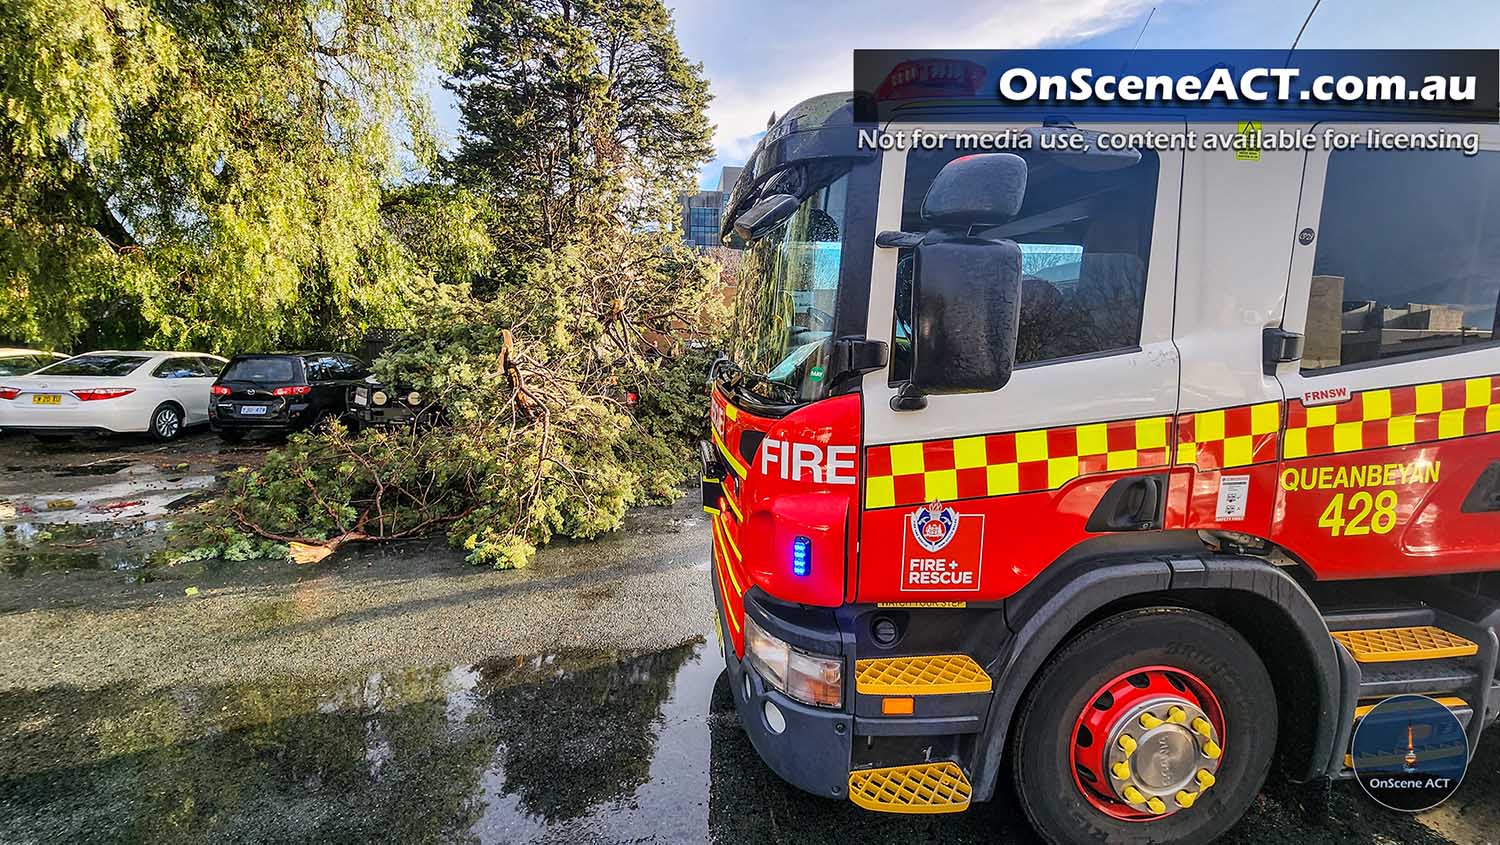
x,y
396,694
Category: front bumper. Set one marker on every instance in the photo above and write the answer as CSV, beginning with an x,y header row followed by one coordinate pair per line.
x,y
821,750
812,752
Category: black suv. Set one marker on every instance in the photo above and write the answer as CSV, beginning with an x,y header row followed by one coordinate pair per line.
x,y
283,392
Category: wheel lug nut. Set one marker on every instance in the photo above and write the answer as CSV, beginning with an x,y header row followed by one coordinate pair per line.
x,y
1176,715
1127,743
1202,727
1133,795
1185,799
1120,770
1156,805
1149,721
1205,778
1211,750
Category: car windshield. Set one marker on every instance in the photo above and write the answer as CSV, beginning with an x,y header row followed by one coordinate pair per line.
x,y
264,370
102,366
788,285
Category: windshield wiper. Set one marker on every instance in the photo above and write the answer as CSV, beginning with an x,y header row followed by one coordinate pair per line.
x,y
739,379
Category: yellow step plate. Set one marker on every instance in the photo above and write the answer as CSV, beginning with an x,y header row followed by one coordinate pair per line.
x,y
1387,645
923,788
936,674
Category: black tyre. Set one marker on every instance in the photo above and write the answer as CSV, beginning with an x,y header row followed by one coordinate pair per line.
x,y
1172,695
166,422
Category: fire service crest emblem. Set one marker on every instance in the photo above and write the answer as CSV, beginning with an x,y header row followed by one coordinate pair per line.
x,y
933,526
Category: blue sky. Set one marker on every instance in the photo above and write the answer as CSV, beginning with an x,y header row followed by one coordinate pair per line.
x,y
765,55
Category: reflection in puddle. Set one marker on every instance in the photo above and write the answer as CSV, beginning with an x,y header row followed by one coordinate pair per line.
x,y
502,750
28,547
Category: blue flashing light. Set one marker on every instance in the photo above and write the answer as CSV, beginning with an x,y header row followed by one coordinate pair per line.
x,y
801,556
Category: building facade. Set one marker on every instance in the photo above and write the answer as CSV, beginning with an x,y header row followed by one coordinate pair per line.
x,y
700,211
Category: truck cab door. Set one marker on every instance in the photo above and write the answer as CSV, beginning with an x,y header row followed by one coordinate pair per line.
x,y
1391,456
968,498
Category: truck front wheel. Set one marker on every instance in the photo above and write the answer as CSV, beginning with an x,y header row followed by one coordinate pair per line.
x,y
1156,725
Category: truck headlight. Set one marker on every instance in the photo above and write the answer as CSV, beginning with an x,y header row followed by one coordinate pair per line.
x,y
809,678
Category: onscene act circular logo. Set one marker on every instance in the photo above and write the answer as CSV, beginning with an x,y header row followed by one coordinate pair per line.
x,y
1410,753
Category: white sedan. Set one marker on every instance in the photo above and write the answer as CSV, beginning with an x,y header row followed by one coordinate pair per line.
x,y
157,392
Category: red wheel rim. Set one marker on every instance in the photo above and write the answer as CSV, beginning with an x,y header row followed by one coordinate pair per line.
x,y
1105,713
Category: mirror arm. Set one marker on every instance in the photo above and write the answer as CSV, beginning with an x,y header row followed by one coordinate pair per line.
x,y
891,239
908,398
856,356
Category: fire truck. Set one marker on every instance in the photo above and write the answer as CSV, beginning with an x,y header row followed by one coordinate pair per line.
x,y
1123,476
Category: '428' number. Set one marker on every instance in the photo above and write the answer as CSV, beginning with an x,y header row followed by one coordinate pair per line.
x,y
1365,514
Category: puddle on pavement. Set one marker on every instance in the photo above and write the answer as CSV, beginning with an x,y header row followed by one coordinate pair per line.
x,y
31,548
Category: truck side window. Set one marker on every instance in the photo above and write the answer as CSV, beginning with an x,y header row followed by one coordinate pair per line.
x,y
1085,239
1408,256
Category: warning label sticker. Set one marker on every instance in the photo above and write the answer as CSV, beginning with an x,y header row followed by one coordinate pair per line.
x,y
1234,494
942,550
1247,146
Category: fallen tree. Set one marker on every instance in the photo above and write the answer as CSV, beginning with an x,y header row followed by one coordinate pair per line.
x,y
540,437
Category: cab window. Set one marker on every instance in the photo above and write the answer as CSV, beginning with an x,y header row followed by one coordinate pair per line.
x,y
1085,239
1408,257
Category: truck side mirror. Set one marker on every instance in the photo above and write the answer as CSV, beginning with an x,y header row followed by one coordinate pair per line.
x,y
966,313
966,291
765,216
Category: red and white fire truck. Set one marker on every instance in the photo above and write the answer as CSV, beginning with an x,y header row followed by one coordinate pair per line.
x,y
1127,475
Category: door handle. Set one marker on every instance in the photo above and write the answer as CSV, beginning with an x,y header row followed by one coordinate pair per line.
x,y
1130,504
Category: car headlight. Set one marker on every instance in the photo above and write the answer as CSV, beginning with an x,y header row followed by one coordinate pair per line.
x,y
808,678
414,398
379,397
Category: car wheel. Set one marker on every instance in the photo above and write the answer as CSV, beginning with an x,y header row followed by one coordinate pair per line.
x,y
166,423
1156,725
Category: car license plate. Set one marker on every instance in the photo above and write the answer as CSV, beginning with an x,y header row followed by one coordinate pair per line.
x,y
47,399
252,410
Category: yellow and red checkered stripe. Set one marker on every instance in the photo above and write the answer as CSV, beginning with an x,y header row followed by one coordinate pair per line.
x,y
1229,437
1028,461
1394,416
1014,462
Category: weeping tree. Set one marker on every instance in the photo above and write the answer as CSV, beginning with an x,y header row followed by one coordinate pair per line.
x,y
210,175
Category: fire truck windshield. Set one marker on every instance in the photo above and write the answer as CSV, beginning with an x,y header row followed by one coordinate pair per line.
x,y
784,302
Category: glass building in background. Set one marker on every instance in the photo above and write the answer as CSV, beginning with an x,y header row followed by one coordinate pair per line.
x,y
700,211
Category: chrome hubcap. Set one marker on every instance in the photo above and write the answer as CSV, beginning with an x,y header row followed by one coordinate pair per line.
x,y
1159,753
166,424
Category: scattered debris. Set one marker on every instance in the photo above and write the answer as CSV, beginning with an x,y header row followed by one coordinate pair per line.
x,y
192,591
61,504
118,506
